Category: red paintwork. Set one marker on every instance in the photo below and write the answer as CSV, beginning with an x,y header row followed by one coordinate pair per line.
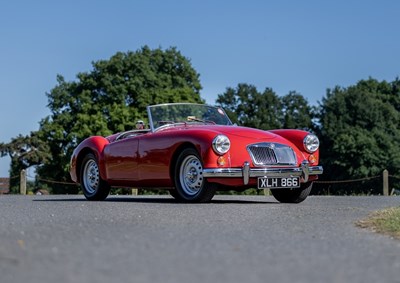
x,y
296,137
147,160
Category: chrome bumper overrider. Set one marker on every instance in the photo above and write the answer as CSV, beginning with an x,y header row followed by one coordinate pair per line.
x,y
246,172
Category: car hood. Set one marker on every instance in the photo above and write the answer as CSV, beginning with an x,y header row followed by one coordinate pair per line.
x,y
246,132
238,131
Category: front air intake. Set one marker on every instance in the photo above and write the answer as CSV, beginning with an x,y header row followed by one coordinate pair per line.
x,y
264,154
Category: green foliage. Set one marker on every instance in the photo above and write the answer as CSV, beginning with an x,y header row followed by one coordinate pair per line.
x,y
297,113
24,151
359,126
360,130
385,221
248,107
108,99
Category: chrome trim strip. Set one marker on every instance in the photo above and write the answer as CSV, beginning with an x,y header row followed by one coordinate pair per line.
x,y
246,172
276,149
306,170
150,118
261,172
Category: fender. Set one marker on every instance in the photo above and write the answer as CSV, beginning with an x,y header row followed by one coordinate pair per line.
x,y
94,145
297,138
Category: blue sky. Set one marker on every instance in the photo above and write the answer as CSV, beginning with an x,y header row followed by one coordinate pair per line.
x,y
306,46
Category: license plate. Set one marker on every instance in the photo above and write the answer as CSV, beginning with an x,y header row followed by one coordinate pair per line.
x,y
278,183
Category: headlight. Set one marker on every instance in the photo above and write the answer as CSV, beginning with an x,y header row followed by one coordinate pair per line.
x,y
221,144
311,143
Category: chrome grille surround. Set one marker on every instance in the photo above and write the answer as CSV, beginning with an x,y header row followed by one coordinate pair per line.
x,y
266,153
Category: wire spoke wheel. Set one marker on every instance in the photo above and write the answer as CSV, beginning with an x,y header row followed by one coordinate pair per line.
x,y
91,176
93,187
191,175
190,184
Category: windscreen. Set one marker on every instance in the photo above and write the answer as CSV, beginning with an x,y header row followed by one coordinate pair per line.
x,y
166,114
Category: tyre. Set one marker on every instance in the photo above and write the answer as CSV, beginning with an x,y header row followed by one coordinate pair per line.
x,y
296,195
174,194
93,187
189,182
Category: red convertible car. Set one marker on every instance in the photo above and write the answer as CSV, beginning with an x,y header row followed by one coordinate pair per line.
x,y
194,150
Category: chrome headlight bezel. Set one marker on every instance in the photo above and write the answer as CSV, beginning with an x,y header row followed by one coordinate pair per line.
x,y
221,144
311,143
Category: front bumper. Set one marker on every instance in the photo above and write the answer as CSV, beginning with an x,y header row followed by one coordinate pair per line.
x,y
246,172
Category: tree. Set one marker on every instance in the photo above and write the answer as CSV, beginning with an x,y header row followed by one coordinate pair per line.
x,y
24,151
110,98
359,130
297,113
248,107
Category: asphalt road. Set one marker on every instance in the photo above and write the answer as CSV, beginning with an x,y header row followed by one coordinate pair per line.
x,y
243,239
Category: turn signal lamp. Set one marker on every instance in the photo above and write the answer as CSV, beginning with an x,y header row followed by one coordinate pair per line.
x,y
312,158
221,161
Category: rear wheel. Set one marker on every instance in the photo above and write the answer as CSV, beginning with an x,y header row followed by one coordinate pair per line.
x,y
296,195
190,184
93,187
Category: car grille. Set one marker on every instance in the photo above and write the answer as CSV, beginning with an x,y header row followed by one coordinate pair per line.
x,y
271,154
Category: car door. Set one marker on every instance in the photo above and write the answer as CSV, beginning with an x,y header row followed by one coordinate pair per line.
x,y
121,159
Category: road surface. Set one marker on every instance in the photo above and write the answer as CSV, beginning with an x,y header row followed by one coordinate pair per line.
x,y
154,239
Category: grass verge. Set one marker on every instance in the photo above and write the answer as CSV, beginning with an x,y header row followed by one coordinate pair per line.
x,y
385,221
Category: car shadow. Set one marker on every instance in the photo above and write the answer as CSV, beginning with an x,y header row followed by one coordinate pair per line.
x,y
158,199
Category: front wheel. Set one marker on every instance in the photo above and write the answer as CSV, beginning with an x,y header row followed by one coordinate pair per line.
x,y
190,184
296,195
174,194
93,187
